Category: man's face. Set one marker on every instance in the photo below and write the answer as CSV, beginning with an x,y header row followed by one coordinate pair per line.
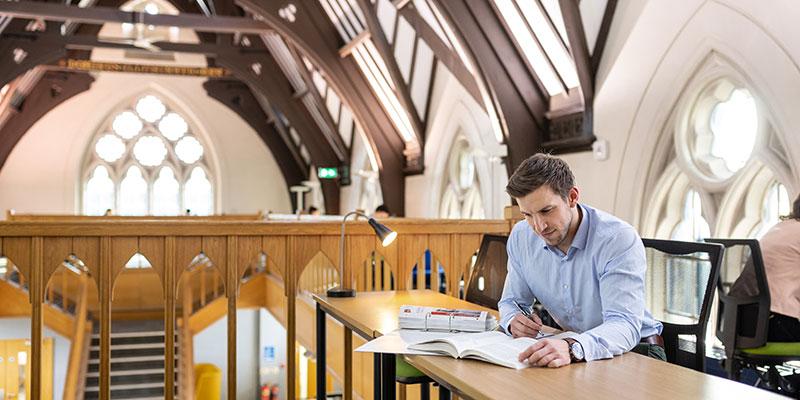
x,y
548,214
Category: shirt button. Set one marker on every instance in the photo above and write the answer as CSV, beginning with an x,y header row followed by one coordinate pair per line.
x,y
566,286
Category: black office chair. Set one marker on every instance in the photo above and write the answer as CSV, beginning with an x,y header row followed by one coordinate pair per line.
x,y
485,285
690,272
743,318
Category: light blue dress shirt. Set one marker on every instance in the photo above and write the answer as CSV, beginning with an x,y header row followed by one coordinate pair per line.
x,y
596,289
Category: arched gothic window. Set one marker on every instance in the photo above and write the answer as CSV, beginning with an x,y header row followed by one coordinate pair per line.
x,y
462,195
146,160
720,172
692,227
775,205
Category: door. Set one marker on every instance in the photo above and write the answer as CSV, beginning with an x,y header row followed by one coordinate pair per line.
x,y
15,369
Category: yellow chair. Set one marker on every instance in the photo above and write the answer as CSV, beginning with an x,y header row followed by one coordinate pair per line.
x,y
207,382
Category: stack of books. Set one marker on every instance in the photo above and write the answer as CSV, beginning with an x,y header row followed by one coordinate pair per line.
x,y
445,319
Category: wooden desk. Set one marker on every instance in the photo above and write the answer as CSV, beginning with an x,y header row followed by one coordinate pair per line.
x,y
371,314
630,376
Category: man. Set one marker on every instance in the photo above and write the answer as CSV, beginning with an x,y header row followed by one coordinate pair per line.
x,y
585,266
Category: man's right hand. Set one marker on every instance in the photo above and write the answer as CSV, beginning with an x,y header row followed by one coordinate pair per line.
x,y
522,326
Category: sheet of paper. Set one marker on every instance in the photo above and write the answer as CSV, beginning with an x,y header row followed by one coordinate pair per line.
x,y
397,342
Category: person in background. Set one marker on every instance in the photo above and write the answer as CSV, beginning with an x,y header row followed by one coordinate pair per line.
x,y
780,249
585,266
313,210
381,212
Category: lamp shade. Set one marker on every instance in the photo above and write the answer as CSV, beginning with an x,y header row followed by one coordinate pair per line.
x,y
387,235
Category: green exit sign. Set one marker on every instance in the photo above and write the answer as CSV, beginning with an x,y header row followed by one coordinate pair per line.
x,y
327,172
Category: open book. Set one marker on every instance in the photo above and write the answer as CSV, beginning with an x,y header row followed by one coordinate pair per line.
x,y
493,347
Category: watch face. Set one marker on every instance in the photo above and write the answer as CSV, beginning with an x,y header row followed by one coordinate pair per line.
x,y
577,350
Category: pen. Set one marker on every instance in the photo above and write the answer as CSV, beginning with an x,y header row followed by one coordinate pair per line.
x,y
522,309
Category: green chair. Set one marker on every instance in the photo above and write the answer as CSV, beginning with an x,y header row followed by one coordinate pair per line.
x,y
743,321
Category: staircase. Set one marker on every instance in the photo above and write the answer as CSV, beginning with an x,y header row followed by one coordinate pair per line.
x,y
137,361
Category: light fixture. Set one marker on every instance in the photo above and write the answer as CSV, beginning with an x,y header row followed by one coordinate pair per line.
x,y
386,235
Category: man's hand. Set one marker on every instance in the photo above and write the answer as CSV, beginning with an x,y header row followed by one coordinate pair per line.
x,y
551,353
522,326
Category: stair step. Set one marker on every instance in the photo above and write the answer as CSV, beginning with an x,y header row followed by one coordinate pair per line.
x,y
130,334
128,365
96,374
131,346
122,380
135,393
134,340
117,360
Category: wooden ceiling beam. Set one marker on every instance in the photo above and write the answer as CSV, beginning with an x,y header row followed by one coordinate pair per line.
x,y
87,42
279,92
579,49
520,104
385,51
54,88
99,15
443,52
314,35
602,37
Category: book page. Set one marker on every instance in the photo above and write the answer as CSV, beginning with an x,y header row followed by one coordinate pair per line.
x,y
460,342
505,353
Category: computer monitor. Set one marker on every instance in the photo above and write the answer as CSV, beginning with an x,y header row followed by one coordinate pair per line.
x,y
485,286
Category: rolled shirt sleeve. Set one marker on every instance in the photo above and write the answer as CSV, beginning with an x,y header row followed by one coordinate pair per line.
x,y
622,295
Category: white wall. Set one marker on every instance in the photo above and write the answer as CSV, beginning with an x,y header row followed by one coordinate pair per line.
x,y
42,173
454,111
20,328
210,346
648,77
271,334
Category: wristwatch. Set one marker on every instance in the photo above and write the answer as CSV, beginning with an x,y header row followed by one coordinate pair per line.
x,y
575,350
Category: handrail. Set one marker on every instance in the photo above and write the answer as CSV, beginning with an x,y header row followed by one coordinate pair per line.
x,y
13,216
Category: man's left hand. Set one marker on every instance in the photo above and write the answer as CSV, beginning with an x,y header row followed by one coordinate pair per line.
x,y
551,353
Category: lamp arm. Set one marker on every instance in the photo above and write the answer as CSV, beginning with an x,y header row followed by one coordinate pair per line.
x,y
341,244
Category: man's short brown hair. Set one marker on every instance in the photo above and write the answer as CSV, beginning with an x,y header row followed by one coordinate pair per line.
x,y
541,169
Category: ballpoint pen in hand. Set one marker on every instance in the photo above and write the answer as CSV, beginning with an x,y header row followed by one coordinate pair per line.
x,y
522,309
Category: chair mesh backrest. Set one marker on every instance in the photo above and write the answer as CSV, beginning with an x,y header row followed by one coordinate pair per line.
x,y
679,299
744,295
485,286
683,275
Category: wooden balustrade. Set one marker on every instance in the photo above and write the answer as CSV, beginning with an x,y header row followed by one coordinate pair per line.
x,y
300,254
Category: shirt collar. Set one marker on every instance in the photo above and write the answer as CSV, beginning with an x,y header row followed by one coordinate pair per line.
x,y
581,235
579,242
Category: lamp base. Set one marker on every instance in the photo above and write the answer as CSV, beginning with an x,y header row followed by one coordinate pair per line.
x,y
341,292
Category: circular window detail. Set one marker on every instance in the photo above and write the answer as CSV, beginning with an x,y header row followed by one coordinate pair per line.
x,y
150,151
150,108
110,148
725,126
172,126
189,150
127,125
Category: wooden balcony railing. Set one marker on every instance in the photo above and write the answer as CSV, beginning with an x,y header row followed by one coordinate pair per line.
x,y
299,253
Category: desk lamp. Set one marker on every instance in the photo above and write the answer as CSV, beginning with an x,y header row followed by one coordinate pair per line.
x,y
386,236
